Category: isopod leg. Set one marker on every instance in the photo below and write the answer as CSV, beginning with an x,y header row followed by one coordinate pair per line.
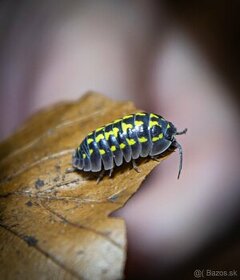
x,y
135,166
100,176
155,158
110,172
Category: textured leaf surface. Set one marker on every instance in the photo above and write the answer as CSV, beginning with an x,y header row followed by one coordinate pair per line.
x,y
54,222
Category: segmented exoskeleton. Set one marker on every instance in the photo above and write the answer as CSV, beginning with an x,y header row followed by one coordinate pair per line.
x,y
133,136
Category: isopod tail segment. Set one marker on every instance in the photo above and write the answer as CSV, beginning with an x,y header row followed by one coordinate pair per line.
x,y
176,145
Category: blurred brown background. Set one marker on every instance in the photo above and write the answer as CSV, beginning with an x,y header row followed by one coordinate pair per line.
x,y
175,58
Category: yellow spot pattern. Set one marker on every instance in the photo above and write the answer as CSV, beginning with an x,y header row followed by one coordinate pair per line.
x,y
99,137
84,156
107,134
125,126
89,140
122,145
142,139
131,142
113,148
115,132
91,151
102,152
139,123
168,125
152,123
154,139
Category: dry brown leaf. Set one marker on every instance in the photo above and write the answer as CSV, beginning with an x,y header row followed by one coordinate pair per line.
x,y
54,223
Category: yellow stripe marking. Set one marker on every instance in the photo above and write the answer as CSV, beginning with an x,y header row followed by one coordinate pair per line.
x,y
113,148
102,152
125,126
141,114
168,125
131,142
91,151
154,139
99,129
139,123
142,139
127,117
153,116
89,140
115,132
116,121
108,124
99,137
152,123
107,134
122,145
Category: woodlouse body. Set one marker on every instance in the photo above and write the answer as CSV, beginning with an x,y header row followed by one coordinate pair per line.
x,y
133,136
